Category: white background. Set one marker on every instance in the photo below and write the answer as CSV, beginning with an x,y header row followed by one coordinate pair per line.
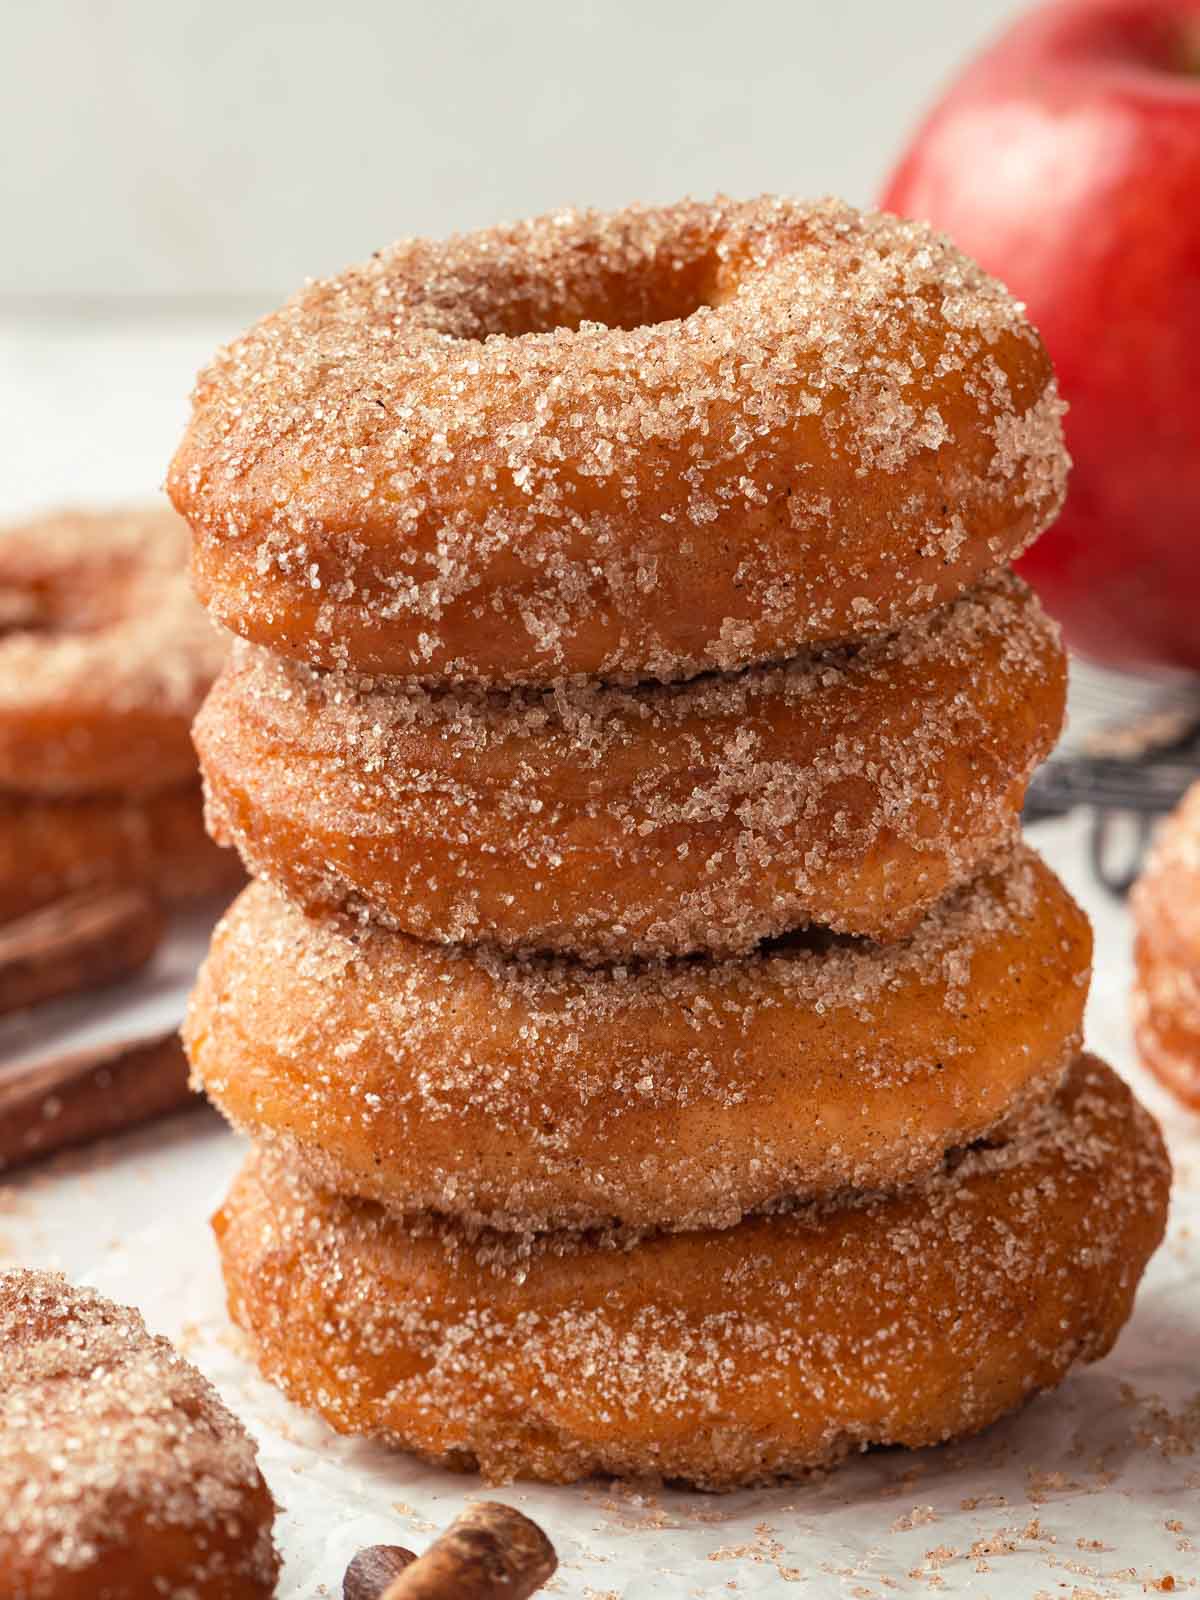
x,y
235,146
171,170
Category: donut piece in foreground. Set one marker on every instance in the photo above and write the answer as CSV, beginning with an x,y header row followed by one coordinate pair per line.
x,y
715,1358
629,446
536,1093
122,1475
850,789
105,655
1166,994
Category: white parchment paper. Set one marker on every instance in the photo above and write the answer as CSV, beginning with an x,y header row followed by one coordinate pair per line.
x,y
1093,1491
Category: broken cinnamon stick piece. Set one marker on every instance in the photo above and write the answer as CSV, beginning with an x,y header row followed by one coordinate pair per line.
x,y
490,1552
80,942
73,1099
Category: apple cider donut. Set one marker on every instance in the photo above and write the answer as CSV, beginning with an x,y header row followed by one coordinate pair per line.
x,y
717,1358
50,847
1166,912
538,1093
104,654
850,789
122,1475
631,446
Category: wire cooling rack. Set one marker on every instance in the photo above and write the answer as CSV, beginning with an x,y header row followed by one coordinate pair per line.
x,y
1131,752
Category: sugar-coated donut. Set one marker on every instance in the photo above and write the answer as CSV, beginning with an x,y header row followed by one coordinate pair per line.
x,y
50,847
1166,996
122,1475
530,1094
104,654
637,445
718,1358
849,789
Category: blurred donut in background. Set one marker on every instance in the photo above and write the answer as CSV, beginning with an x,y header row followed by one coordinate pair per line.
x,y
104,659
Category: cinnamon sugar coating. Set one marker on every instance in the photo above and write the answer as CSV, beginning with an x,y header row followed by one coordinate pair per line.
x,y
104,654
534,1093
718,1358
54,846
122,1475
849,789
638,445
1166,995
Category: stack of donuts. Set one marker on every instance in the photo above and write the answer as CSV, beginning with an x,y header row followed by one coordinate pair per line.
x,y
662,1055
104,659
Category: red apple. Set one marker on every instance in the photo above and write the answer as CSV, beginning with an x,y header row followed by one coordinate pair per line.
x,y
1066,159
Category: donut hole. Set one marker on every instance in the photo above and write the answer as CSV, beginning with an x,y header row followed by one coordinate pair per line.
x,y
510,301
18,613
61,604
670,294
53,617
75,573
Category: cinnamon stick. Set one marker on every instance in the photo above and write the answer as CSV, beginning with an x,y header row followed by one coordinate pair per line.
x,y
72,1099
490,1552
80,942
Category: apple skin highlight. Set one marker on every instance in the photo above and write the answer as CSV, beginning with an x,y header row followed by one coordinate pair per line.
x,y
1066,159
